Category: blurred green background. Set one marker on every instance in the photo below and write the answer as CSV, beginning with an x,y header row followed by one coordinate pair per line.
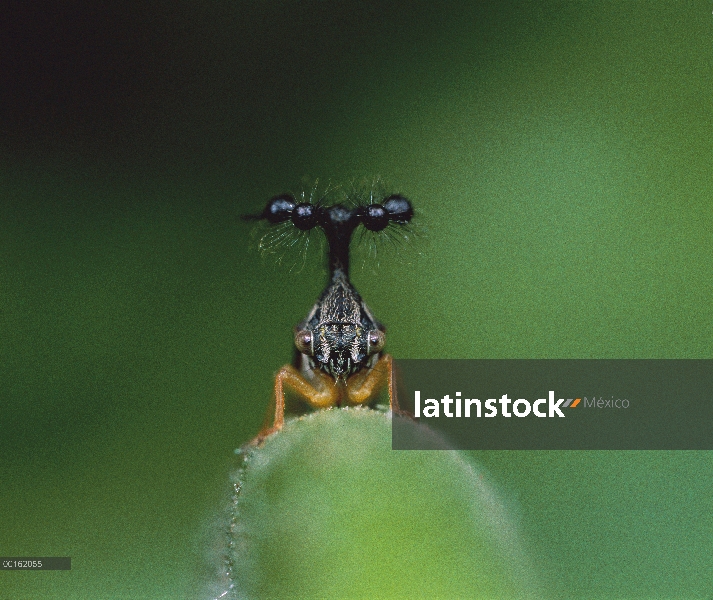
x,y
559,158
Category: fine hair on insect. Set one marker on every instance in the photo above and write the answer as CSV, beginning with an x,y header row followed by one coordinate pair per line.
x,y
291,247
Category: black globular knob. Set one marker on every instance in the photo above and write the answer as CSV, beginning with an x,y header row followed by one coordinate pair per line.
x,y
304,216
399,209
375,217
279,209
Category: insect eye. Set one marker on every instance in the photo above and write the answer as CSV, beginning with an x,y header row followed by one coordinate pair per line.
x,y
377,339
304,216
303,341
399,209
279,209
375,217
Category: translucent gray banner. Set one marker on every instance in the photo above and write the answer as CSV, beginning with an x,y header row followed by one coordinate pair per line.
x,y
529,404
35,563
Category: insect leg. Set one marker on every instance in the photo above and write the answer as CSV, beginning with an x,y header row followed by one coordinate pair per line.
x,y
362,390
323,396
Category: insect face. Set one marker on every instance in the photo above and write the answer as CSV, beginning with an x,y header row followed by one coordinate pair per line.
x,y
340,335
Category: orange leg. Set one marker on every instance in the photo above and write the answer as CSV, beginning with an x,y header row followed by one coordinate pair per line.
x,y
324,395
363,388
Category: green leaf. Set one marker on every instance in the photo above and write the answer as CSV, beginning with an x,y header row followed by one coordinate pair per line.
x,y
326,509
